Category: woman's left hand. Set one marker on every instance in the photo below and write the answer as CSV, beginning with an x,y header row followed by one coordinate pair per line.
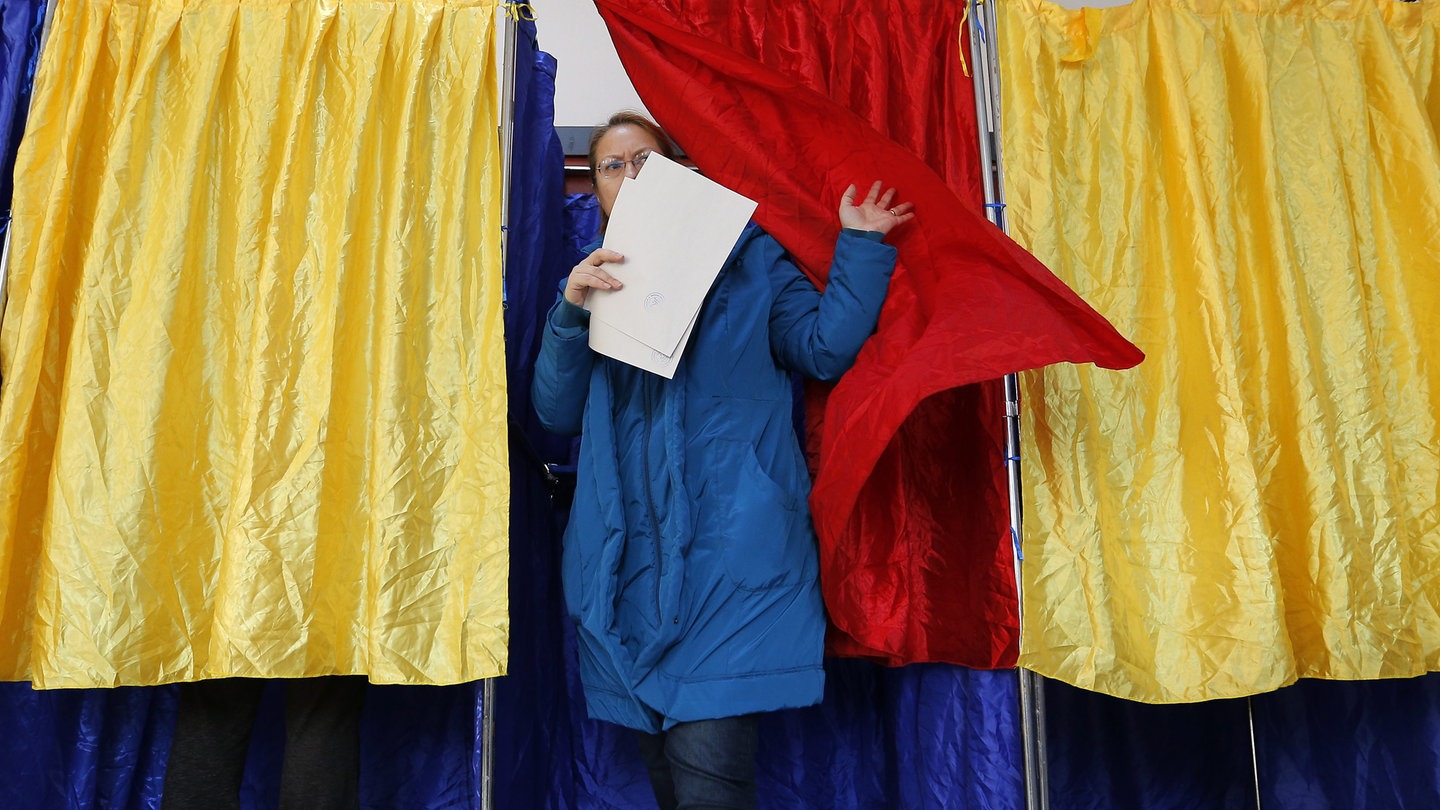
x,y
875,213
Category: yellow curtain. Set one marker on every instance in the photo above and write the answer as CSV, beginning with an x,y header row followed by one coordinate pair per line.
x,y
253,409
1250,189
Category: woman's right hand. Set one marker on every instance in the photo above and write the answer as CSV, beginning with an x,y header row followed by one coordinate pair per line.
x,y
588,274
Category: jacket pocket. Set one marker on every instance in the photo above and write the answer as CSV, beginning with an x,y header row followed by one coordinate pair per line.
x,y
763,525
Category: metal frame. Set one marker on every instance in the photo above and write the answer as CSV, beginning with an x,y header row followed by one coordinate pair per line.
x,y
507,155
985,73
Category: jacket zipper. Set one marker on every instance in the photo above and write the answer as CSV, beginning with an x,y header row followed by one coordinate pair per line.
x,y
650,496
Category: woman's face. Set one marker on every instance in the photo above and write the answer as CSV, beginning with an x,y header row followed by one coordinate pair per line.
x,y
621,142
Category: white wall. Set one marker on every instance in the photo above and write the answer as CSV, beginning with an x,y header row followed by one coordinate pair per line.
x,y
591,84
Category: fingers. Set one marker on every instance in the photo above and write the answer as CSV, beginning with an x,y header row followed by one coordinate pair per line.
x,y
602,255
873,197
589,274
902,213
594,277
877,212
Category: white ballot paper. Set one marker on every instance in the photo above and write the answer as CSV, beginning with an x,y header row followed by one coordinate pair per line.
x,y
611,342
675,229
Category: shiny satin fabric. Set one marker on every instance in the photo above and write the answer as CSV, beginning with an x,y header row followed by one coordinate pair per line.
x,y
21,22
788,103
1366,745
254,385
1251,190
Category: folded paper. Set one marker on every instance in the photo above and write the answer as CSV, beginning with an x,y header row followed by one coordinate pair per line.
x,y
675,229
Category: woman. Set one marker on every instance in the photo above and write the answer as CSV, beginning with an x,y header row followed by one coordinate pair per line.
x,y
690,563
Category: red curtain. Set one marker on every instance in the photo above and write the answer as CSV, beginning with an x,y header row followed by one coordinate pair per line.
x,y
788,103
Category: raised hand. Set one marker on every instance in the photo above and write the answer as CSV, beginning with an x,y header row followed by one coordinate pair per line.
x,y
875,213
588,274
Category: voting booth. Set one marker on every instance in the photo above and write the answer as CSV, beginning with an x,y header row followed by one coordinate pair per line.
x,y
1192,170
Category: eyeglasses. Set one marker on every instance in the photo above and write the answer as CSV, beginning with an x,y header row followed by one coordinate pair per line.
x,y
614,167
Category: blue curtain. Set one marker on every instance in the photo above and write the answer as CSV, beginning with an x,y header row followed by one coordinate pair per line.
x,y
20,27
1319,745
1357,745
534,724
84,748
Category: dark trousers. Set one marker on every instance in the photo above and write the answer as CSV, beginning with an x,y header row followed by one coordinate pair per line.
x,y
321,769
704,765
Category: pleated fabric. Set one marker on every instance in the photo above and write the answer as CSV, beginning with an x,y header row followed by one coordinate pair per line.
x,y
789,103
934,736
1252,190
21,22
252,420
1316,745
535,748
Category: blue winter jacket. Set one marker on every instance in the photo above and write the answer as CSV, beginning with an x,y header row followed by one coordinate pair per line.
x,y
690,565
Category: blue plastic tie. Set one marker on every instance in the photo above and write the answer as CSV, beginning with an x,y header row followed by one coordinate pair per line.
x,y
1015,538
